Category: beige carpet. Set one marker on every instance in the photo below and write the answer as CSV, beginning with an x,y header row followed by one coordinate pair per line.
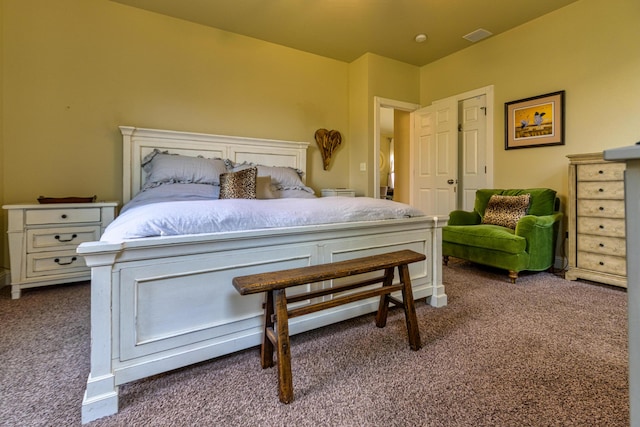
x,y
544,352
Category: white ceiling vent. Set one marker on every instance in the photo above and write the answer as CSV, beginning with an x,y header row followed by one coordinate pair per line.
x,y
477,35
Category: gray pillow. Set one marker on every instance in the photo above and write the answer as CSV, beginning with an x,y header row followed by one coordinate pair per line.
x,y
162,168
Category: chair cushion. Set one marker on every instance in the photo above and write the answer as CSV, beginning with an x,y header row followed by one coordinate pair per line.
x,y
485,236
506,210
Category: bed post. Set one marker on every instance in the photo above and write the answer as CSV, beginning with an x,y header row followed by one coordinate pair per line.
x,y
438,298
127,132
101,394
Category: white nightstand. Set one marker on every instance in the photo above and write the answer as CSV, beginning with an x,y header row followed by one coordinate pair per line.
x,y
343,192
43,240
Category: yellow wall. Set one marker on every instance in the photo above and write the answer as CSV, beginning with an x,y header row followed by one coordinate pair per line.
x,y
589,49
370,76
74,70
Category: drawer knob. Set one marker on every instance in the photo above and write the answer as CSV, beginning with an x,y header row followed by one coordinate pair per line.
x,y
601,190
59,239
601,227
63,216
600,172
601,208
601,245
601,263
57,261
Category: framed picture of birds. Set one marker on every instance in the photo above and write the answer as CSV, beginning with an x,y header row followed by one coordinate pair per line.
x,y
534,122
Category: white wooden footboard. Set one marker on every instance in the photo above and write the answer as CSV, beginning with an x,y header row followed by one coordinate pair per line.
x,y
158,304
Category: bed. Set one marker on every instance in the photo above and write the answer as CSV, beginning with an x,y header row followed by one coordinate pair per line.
x,y
160,303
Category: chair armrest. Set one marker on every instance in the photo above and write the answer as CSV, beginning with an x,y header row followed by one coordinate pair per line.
x,y
464,218
541,233
528,223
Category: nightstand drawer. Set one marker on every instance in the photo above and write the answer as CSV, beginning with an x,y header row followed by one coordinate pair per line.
x,y
601,226
45,263
342,192
613,190
61,216
55,239
599,208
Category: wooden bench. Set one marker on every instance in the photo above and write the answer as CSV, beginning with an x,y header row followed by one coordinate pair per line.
x,y
276,310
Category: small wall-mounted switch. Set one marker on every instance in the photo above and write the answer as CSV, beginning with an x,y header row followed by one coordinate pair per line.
x,y
363,167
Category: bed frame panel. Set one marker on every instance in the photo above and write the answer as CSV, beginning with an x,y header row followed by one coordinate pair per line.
x,y
163,303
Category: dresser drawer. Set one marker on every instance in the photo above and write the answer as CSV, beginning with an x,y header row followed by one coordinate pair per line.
x,y
603,263
613,190
601,226
602,245
61,216
601,172
61,238
48,263
601,208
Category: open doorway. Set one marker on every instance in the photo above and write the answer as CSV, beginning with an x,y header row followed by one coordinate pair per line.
x,y
391,136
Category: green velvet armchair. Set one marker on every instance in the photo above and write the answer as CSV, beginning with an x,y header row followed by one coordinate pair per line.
x,y
530,245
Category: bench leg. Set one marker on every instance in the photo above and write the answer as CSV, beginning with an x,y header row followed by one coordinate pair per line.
x,y
285,380
409,308
266,350
383,307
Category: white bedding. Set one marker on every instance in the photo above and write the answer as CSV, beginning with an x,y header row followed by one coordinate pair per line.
x,y
194,209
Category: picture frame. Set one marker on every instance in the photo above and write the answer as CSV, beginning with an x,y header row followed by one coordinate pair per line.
x,y
535,122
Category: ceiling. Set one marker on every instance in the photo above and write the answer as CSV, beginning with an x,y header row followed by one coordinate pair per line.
x,y
346,29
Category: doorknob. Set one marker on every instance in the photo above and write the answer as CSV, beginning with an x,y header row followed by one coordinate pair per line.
x,y
451,182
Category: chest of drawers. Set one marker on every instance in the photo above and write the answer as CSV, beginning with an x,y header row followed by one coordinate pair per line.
x,y
43,241
597,246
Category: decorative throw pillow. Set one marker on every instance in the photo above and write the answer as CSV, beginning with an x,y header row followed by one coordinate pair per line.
x,y
506,210
263,188
238,185
282,177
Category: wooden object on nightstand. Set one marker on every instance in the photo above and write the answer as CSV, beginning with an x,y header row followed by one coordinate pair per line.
x,y
597,246
43,240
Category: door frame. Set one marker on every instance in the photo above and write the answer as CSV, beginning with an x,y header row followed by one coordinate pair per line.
x,y
378,103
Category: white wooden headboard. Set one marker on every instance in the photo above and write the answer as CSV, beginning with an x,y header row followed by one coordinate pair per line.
x,y
138,142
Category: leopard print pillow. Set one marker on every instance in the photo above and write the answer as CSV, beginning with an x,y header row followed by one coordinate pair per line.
x,y
506,210
239,185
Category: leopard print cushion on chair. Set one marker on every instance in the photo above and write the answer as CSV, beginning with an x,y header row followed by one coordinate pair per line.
x,y
239,185
506,211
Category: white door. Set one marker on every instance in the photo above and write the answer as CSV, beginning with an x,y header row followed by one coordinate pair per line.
x,y
473,156
435,157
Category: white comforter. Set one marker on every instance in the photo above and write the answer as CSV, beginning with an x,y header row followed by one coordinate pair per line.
x,y
147,217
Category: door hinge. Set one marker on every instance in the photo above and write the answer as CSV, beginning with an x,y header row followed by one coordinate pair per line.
x,y
459,128
484,109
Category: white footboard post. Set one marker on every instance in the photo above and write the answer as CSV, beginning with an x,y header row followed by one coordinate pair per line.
x,y
438,298
101,395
